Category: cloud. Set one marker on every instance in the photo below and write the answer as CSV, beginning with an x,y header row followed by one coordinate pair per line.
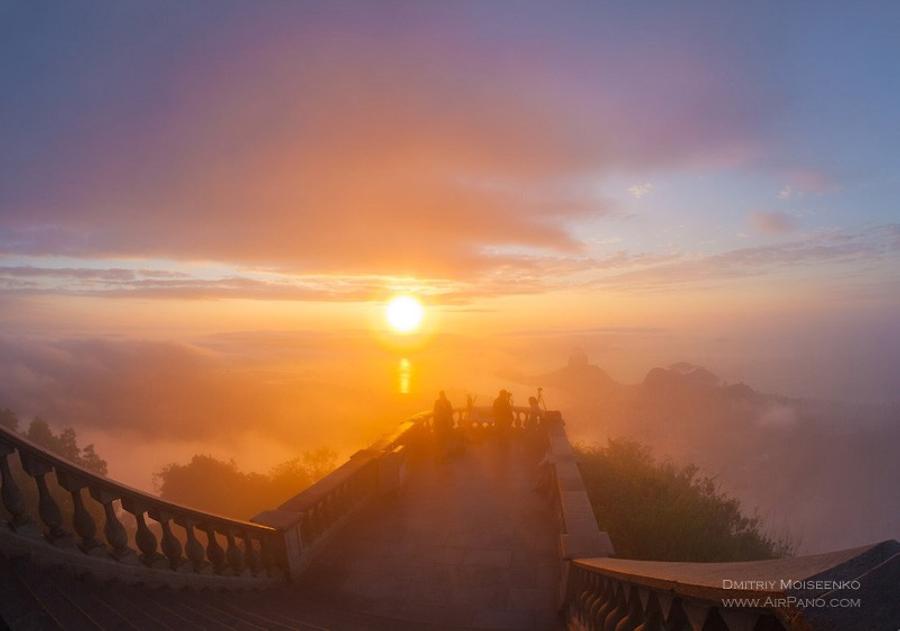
x,y
854,250
318,143
772,222
640,190
801,182
215,391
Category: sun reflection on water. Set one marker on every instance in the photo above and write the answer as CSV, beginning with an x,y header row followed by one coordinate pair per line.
x,y
405,375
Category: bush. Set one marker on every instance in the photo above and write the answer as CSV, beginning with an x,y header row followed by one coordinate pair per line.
x,y
658,511
219,486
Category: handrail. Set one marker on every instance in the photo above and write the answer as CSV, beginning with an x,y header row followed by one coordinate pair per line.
x,y
100,481
834,590
310,518
252,554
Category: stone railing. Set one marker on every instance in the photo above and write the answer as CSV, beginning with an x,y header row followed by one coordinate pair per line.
x,y
311,518
846,590
57,523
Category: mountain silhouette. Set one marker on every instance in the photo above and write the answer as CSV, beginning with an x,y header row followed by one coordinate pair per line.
x,y
822,471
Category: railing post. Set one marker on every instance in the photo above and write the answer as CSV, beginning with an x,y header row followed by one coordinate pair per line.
x,y
619,609
171,547
143,537
653,618
48,509
82,520
115,532
192,547
250,555
214,551
233,554
13,500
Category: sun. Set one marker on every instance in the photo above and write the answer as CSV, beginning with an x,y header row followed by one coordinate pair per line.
x,y
404,314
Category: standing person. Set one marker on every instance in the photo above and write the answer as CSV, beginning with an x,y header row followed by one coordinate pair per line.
x,y
534,413
442,421
470,410
503,414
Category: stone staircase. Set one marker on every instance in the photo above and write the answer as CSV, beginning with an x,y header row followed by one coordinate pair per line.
x,y
403,536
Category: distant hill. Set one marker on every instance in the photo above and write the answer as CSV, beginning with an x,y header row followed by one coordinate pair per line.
x,y
823,471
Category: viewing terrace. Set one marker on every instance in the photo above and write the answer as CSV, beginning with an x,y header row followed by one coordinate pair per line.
x,y
498,535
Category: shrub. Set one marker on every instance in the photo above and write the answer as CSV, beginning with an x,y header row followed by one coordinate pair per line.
x,y
655,510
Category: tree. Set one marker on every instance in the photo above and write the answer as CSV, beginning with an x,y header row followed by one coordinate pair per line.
x,y
9,419
219,486
65,445
658,511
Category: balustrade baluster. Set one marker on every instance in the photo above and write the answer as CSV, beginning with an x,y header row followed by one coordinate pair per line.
x,y
233,554
214,551
82,520
115,532
306,531
619,610
653,619
597,601
269,556
171,546
192,546
605,603
250,556
143,536
48,509
13,499
676,618
697,613
584,589
634,612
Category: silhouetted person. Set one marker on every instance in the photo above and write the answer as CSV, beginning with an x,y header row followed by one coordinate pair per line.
x,y
503,414
442,420
534,413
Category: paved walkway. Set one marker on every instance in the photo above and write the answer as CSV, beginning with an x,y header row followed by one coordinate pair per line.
x,y
467,544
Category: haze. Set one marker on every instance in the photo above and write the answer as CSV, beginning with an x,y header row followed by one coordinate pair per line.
x,y
205,206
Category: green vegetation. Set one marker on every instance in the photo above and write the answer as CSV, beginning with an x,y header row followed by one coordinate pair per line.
x,y
218,486
655,510
64,444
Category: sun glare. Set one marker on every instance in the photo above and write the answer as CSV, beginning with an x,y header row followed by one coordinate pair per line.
x,y
404,314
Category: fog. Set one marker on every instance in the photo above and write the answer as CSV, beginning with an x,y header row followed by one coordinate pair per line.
x,y
819,469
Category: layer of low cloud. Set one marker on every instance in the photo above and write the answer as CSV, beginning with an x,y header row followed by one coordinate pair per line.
x,y
518,275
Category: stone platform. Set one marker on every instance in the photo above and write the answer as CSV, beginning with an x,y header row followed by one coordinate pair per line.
x,y
468,543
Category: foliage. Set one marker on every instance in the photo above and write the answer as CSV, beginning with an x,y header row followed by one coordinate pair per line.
x,y
219,486
8,419
65,444
655,510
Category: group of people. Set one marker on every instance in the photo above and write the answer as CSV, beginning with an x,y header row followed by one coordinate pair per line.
x,y
501,410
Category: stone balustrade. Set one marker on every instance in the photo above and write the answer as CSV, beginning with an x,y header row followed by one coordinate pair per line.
x,y
162,546
72,517
849,589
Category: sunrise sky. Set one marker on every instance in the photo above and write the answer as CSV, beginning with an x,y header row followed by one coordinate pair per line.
x,y
648,181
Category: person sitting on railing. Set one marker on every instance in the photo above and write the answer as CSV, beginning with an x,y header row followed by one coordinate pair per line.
x,y
503,413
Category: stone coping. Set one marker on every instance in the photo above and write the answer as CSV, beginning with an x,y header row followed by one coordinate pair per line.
x,y
122,491
775,577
